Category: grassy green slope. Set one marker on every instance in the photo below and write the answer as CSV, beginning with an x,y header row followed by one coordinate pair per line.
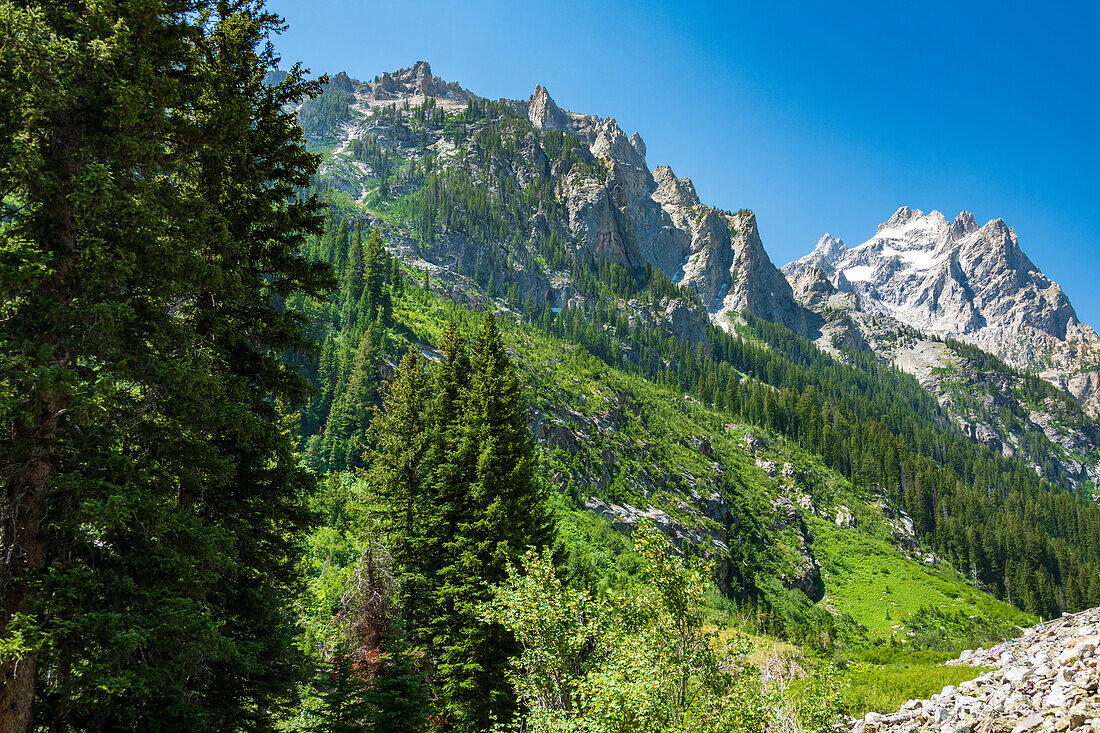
x,y
626,440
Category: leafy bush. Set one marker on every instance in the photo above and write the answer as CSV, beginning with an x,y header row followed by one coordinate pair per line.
x,y
638,659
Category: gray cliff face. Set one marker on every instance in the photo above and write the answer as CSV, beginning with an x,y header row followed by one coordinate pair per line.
x,y
624,213
416,81
921,275
639,217
954,279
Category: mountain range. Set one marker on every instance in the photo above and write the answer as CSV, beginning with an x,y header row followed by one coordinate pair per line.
x,y
911,295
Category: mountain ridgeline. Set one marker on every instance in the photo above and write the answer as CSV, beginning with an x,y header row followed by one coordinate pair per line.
x,y
959,461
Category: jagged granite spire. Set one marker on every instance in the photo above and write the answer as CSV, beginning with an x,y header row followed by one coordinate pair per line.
x,y
954,279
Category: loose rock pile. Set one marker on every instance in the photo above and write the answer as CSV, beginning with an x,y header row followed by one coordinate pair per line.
x,y
1046,681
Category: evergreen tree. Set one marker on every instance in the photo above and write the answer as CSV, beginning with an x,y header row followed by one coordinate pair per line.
x,y
398,698
351,415
453,457
400,439
345,706
502,513
151,228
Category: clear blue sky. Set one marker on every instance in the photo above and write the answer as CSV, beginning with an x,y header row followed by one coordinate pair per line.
x,y
819,116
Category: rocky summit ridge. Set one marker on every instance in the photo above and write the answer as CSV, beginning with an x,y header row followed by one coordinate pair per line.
x,y
634,217
957,280
954,279
1046,680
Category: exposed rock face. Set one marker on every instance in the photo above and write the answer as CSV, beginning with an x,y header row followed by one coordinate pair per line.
x,y
412,83
958,280
805,574
641,217
753,283
1075,369
976,396
954,279
1045,681
544,113
627,214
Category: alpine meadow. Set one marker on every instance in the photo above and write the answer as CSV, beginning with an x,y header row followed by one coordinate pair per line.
x,y
331,405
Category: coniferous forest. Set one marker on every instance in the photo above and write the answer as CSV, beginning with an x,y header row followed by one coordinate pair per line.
x,y
268,466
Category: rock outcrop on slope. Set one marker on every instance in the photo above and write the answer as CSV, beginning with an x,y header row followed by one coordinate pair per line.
x,y
628,214
1046,680
1048,432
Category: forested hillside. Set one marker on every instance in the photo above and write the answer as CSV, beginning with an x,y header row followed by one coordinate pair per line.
x,y
991,516
836,499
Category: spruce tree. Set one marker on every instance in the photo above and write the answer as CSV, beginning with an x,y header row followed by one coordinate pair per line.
x,y
501,513
344,705
400,440
351,415
454,459
151,492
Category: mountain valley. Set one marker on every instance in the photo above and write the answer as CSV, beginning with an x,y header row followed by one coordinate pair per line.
x,y
554,218
381,406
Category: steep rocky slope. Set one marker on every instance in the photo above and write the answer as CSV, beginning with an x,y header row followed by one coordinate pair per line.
x,y
958,280
1045,680
923,289
614,207
992,402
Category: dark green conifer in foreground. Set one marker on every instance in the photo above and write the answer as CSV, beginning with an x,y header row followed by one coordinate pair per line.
x,y
152,497
458,467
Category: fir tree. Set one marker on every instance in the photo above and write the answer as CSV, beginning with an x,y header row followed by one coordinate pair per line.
x,y
502,513
345,707
351,415
155,227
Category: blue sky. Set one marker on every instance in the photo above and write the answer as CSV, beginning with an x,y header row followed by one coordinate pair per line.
x,y
819,116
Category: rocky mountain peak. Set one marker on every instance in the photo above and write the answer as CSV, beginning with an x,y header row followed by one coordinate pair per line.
x,y
901,217
544,113
611,142
755,284
954,279
912,227
341,82
671,190
415,81
964,224
830,248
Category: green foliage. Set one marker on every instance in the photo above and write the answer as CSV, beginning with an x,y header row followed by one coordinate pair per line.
x,y
871,580
883,686
455,464
948,631
864,434
636,660
152,229
322,117
343,701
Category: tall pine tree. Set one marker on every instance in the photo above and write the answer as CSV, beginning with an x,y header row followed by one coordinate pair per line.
x,y
151,493
454,458
502,512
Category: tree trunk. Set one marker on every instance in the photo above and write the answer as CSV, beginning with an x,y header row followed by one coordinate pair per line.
x,y
24,551
31,471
